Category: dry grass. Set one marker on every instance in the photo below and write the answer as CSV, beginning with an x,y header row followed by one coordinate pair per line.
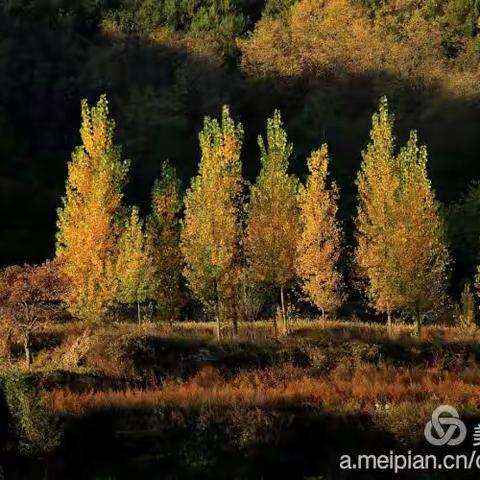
x,y
341,330
333,366
351,387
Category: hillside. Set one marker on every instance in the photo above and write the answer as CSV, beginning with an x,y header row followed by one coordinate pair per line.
x,y
169,402
164,65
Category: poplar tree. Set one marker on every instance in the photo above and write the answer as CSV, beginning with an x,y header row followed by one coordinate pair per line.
x,y
163,244
378,182
89,219
273,216
210,239
319,246
134,272
419,240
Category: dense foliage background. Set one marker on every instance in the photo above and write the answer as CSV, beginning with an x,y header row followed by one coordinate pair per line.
x,y
166,63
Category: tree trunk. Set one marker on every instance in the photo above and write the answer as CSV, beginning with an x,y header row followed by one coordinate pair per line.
x,y
139,314
28,353
418,320
217,321
275,326
284,315
235,312
322,310
389,321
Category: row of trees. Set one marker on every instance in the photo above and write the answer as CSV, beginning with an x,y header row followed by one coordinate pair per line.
x,y
233,243
234,240
107,253
226,250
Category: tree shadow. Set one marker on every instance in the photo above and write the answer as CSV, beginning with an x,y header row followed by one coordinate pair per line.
x,y
296,443
161,90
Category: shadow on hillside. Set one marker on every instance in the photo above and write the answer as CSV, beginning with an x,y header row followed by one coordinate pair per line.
x,y
127,361
219,444
159,95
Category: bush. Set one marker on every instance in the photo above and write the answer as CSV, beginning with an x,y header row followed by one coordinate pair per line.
x,y
466,311
36,429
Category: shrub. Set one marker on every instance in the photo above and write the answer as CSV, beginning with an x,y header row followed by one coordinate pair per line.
x,y
466,312
36,429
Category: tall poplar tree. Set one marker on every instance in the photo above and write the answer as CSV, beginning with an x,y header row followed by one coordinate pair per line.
x,y
133,269
378,182
163,244
89,219
210,239
419,238
273,216
319,246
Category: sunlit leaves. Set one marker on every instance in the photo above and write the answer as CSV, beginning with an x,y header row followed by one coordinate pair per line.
x,y
90,217
319,246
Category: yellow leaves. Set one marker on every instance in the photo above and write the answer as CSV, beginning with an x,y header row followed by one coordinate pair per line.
x,y
289,232
319,246
211,230
377,184
400,239
133,266
88,220
272,224
334,38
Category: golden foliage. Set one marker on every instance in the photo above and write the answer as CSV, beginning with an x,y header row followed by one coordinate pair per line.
x,y
88,221
333,39
273,225
419,240
133,267
401,248
210,239
378,183
319,246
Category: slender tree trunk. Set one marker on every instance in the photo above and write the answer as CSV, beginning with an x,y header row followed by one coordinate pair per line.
x,y
284,315
322,310
275,326
418,320
217,327
235,326
217,322
139,314
217,310
28,353
235,311
389,321
8,346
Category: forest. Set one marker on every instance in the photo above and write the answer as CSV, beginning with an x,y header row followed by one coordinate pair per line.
x,y
240,238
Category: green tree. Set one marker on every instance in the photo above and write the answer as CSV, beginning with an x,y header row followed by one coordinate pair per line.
x,y
90,217
464,233
419,245
210,239
378,183
466,315
133,269
163,244
319,246
273,224
278,8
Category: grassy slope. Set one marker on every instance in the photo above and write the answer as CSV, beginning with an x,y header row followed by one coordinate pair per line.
x,y
169,399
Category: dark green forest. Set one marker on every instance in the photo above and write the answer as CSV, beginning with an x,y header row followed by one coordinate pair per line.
x,y
165,64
